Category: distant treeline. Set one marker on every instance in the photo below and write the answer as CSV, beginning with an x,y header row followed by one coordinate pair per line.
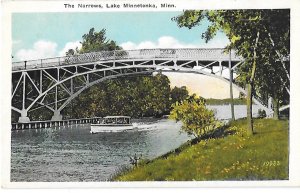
x,y
236,101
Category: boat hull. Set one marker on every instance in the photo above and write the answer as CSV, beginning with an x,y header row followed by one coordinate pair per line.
x,y
98,128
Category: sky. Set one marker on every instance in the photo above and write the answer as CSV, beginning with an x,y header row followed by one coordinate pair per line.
x,y
45,35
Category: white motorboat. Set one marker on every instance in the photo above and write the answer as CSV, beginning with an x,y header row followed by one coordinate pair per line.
x,y
113,124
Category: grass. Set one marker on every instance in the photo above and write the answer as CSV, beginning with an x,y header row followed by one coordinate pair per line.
x,y
233,155
236,101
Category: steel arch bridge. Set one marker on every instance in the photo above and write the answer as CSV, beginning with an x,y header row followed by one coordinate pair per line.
x,y
54,82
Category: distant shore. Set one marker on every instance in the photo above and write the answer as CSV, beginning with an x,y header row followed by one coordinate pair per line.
x,y
236,101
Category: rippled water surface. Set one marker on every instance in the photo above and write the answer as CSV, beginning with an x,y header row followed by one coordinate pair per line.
x,y
73,154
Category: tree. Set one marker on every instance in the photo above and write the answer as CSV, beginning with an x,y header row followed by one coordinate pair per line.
x,y
255,35
178,94
97,41
153,95
196,118
94,42
132,96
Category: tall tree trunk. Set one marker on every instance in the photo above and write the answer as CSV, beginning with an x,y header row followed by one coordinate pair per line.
x,y
231,91
249,109
250,89
276,108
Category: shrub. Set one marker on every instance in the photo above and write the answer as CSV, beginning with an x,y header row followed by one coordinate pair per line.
x,y
196,118
261,113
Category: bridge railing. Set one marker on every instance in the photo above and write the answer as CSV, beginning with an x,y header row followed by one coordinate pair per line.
x,y
196,53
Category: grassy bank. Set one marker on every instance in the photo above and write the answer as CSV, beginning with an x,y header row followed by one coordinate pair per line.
x,y
236,101
231,156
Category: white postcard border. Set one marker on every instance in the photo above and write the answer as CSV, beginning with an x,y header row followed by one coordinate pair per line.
x,y
9,7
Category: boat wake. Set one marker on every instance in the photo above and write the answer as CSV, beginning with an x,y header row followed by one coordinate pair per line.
x,y
143,126
148,127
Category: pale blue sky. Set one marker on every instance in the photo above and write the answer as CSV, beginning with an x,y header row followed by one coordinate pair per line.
x,y
57,29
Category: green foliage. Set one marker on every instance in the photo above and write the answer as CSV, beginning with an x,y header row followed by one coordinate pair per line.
x,y
94,41
233,156
196,118
261,113
132,96
190,18
14,116
236,101
178,94
97,41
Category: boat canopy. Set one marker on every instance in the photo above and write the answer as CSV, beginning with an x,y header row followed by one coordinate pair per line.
x,y
116,120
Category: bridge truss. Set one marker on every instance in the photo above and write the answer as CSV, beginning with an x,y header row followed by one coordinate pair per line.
x,y
54,82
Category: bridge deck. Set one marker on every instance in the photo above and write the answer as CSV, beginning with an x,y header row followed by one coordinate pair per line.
x,y
213,54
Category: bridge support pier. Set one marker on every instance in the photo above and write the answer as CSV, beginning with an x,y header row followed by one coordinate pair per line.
x,y
23,118
56,116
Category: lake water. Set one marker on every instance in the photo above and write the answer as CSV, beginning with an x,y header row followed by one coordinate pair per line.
x,y
71,153
223,112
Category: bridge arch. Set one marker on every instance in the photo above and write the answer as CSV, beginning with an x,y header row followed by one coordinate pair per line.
x,y
136,62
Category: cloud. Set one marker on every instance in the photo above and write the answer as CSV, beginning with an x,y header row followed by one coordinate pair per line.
x,y
171,42
41,49
70,45
162,42
44,49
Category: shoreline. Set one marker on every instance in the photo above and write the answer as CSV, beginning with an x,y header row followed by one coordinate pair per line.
x,y
233,144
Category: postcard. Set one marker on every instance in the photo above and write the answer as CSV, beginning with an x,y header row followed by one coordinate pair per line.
x,y
99,94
